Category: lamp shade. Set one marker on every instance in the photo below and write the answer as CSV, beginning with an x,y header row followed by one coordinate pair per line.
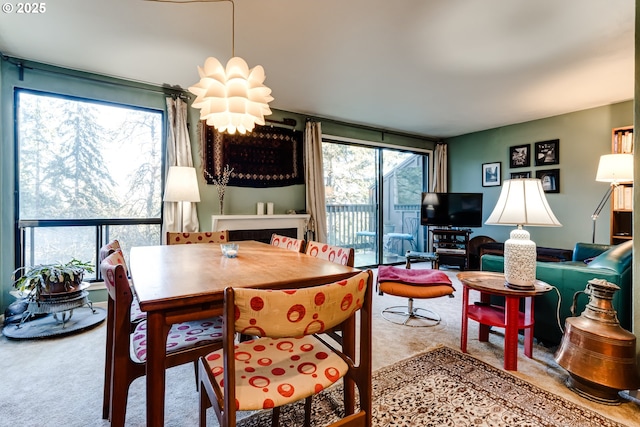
x,y
233,98
523,202
182,185
615,168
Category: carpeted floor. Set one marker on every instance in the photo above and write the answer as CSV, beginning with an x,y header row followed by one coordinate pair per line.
x,y
446,387
58,381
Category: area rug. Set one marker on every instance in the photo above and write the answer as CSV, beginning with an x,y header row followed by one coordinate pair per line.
x,y
444,387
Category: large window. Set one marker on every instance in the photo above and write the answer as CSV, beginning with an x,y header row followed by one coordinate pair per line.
x,y
87,172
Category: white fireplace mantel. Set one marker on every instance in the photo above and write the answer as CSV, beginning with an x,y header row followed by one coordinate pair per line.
x,y
261,222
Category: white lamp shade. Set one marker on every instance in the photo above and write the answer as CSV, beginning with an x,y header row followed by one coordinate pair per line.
x,y
615,168
523,202
233,98
181,185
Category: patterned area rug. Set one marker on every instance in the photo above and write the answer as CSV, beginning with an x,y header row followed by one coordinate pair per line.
x,y
444,387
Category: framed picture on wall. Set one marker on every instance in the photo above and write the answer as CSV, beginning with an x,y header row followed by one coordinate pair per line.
x,y
491,174
516,175
550,180
547,152
520,156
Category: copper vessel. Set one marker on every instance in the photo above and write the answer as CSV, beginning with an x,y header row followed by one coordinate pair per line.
x,y
598,353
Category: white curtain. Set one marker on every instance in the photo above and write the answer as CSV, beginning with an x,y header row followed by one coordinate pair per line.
x,y
178,154
314,180
440,169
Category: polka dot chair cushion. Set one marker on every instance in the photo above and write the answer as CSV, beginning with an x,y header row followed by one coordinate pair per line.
x,y
287,363
137,314
287,243
115,258
273,372
201,237
330,253
181,336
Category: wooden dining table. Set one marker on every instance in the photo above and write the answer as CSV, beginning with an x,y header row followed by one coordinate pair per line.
x,y
178,283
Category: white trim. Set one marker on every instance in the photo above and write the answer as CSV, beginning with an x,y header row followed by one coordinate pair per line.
x,y
261,222
333,138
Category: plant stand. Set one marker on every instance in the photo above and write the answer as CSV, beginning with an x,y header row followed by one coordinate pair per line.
x,y
60,305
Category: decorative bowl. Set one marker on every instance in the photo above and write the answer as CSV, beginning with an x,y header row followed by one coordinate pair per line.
x,y
230,250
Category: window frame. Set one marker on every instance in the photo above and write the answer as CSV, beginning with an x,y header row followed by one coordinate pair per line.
x,y
101,224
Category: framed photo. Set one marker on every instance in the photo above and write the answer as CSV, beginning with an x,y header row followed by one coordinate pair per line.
x,y
491,174
520,156
550,180
516,175
547,152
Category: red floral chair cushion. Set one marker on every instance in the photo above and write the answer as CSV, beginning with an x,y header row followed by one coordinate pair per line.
x,y
287,243
287,363
330,253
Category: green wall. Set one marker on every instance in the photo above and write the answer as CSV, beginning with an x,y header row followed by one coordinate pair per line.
x,y
242,201
584,136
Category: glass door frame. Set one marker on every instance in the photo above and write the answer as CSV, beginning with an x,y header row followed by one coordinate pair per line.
x,y
380,146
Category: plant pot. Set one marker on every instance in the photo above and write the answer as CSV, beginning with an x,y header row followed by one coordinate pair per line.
x,y
54,288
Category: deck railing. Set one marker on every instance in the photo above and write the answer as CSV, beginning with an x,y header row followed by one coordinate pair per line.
x,y
345,221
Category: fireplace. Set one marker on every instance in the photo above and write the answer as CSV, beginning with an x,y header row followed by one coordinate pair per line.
x,y
260,227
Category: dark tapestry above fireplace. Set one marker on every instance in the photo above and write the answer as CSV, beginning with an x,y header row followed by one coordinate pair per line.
x,y
267,157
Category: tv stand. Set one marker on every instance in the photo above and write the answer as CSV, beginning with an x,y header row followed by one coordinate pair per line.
x,y
452,247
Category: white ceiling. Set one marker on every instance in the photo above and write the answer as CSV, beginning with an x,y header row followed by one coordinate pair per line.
x,y
429,67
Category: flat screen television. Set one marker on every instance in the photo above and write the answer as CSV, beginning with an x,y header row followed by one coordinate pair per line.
x,y
451,209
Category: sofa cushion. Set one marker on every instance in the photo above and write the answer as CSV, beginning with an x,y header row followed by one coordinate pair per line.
x,y
618,258
588,251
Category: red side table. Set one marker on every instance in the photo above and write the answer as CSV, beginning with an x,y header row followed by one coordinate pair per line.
x,y
508,317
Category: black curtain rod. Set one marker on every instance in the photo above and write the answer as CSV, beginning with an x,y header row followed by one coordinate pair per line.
x,y
286,121
55,69
373,129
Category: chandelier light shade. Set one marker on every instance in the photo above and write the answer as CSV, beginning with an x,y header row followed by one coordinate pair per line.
x,y
521,202
233,98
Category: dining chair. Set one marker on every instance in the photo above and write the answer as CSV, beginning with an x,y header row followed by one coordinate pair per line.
x,y
344,256
136,315
185,341
289,361
175,238
287,242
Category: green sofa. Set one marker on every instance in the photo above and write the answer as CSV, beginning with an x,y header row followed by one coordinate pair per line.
x,y
612,263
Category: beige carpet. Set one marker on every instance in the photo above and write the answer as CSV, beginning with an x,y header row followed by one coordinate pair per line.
x,y
58,382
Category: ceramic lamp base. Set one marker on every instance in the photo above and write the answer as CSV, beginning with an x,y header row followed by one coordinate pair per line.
x,y
520,260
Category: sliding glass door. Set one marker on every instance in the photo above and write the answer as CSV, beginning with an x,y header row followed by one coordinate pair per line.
x,y
373,201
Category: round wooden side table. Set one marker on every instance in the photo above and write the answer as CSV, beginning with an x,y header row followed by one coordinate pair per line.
x,y
508,317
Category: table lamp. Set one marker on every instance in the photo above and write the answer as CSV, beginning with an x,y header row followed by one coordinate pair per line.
x,y
181,187
521,202
614,169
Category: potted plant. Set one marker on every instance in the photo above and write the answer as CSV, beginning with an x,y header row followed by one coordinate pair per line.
x,y
48,279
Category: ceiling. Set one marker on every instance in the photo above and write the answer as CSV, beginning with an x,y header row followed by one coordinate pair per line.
x,y
429,67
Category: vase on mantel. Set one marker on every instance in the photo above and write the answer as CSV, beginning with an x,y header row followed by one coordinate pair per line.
x,y
221,201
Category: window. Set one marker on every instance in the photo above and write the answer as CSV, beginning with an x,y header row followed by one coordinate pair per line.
x,y
356,177
88,172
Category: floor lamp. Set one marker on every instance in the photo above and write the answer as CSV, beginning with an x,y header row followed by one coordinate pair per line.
x,y
181,187
614,169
